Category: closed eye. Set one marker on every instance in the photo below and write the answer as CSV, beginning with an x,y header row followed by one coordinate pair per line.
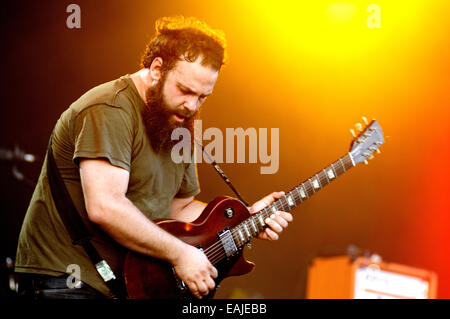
x,y
186,91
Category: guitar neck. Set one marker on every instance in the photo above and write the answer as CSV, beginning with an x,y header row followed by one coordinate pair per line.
x,y
255,224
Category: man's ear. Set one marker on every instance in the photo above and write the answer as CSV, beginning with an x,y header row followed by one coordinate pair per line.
x,y
155,68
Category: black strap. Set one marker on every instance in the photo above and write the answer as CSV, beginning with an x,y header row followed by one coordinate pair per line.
x,y
75,226
222,174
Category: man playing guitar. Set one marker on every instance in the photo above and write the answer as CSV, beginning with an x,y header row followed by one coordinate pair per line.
x,y
112,149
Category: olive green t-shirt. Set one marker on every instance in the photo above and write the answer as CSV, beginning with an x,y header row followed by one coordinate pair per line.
x,y
104,123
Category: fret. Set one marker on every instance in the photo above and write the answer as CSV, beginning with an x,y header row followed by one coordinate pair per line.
x,y
241,234
309,189
236,237
343,167
296,195
348,159
312,186
284,204
316,183
299,195
322,179
266,212
303,191
251,226
247,231
334,170
261,220
273,207
326,176
290,200
253,223
337,168
330,173
351,160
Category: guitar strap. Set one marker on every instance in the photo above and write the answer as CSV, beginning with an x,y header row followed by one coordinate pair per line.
x,y
75,226
222,174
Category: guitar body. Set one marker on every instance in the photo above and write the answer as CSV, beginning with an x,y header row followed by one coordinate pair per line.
x,y
148,277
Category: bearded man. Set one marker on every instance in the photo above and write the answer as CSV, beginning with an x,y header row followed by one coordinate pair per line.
x,y
112,148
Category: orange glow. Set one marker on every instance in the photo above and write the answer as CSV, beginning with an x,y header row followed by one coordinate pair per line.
x,y
187,227
319,67
341,12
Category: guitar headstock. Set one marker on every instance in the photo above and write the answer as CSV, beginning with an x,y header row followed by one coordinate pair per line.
x,y
366,142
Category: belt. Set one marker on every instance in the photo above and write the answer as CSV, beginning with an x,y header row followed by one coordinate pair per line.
x,y
46,286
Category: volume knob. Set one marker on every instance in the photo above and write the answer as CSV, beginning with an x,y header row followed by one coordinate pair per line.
x,y
229,212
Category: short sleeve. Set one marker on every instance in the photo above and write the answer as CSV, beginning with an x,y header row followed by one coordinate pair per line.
x,y
103,131
189,185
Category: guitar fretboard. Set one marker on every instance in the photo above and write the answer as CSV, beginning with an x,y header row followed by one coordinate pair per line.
x,y
255,224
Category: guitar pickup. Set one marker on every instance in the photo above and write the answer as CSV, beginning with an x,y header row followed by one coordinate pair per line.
x,y
227,241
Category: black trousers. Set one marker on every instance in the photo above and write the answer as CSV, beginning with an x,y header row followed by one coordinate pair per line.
x,y
35,286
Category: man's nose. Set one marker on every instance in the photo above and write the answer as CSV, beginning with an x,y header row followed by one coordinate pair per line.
x,y
191,104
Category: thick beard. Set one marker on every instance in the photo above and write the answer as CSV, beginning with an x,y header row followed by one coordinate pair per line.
x,y
158,123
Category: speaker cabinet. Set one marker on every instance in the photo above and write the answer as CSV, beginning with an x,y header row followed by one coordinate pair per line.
x,y
342,277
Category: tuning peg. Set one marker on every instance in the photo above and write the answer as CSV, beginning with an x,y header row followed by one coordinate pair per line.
x,y
366,162
378,151
365,120
371,156
359,127
352,131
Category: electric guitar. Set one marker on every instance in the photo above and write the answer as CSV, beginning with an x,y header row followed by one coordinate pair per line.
x,y
226,226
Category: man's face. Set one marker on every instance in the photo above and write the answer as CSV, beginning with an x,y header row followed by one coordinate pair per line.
x,y
175,100
186,87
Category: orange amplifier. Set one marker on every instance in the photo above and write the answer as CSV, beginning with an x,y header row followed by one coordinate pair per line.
x,y
367,278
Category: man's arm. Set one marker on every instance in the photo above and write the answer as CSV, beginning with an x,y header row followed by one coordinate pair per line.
x,y
186,209
104,189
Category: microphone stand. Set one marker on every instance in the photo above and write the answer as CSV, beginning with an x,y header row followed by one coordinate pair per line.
x,y
15,157
21,178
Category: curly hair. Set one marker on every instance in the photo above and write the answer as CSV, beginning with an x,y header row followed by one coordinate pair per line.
x,y
185,38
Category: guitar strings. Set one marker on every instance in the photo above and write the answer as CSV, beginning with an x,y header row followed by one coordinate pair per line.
x,y
215,252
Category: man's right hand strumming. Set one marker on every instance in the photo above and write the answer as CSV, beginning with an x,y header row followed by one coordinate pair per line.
x,y
193,267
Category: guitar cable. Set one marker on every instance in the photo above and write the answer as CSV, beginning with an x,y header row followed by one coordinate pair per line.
x,y
222,174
